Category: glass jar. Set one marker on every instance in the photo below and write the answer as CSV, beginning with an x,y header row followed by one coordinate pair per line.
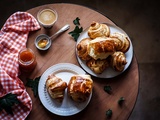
x,y
27,60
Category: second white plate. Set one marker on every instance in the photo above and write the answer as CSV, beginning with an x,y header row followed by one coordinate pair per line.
x,y
68,106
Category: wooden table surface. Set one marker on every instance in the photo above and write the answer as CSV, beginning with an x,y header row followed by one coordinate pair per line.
x,y
63,51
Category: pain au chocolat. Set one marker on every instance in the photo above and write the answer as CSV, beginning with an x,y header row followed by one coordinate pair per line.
x,y
80,87
56,87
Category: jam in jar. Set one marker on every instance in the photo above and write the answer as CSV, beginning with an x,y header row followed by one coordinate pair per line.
x,y
27,60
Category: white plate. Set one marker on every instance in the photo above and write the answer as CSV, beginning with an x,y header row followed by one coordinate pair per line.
x,y
109,72
68,106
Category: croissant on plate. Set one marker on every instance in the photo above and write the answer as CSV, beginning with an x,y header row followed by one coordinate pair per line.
x,y
56,87
80,87
82,49
122,46
117,43
98,30
101,48
97,66
118,61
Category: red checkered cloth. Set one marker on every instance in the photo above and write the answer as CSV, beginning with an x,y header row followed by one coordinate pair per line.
x,y
13,37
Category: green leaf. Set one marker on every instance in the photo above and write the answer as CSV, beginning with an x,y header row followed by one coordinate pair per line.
x,y
30,83
76,21
7,101
108,89
76,32
121,100
109,113
78,29
33,84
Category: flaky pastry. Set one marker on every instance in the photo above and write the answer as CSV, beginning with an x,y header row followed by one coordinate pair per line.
x,y
97,66
56,87
80,87
118,61
82,49
125,43
100,48
98,30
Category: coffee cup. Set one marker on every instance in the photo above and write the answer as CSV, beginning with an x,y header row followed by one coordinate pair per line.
x,y
47,17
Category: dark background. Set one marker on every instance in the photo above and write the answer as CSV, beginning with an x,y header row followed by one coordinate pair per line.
x,y
140,19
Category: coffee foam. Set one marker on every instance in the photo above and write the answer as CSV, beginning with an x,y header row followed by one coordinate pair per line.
x,y
47,17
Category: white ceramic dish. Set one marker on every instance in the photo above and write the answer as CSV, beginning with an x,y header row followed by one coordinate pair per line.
x,y
109,72
68,106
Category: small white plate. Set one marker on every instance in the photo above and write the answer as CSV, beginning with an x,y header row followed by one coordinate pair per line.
x,y
68,106
109,72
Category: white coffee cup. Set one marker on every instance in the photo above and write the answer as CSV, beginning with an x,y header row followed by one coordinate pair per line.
x,y
47,17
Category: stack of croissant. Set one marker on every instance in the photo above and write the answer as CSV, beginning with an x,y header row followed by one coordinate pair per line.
x,y
103,49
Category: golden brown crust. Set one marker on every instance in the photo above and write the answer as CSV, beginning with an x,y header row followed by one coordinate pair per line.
x,y
56,87
118,61
125,43
97,66
82,49
80,87
98,30
101,48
